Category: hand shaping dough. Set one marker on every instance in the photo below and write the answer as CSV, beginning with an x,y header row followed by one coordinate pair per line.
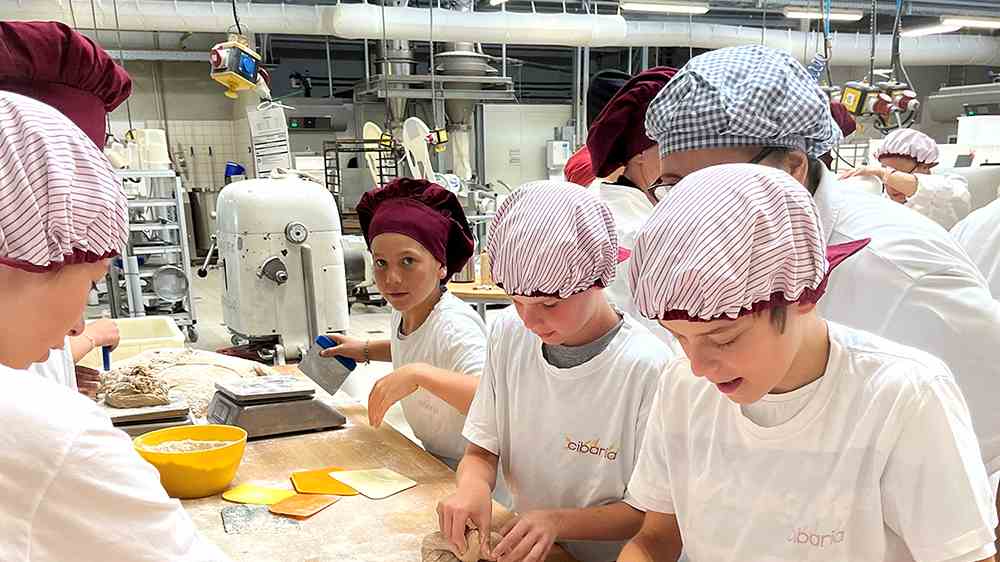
x,y
436,547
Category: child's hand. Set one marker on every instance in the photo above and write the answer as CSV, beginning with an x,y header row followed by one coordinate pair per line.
x,y
346,347
103,333
472,503
391,389
528,537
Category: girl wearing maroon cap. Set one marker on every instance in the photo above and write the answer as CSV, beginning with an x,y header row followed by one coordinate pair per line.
x,y
419,237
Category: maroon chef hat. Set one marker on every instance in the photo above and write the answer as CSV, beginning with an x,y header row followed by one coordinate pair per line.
x,y
52,63
619,132
424,211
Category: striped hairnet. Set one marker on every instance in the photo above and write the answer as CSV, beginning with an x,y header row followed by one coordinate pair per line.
x,y
552,238
60,201
742,96
730,239
911,144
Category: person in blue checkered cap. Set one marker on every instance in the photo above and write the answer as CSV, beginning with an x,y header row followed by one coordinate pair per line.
x,y
912,284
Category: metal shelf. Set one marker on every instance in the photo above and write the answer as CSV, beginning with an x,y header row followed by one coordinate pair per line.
x,y
148,227
414,86
148,250
136,174
142,203
163,214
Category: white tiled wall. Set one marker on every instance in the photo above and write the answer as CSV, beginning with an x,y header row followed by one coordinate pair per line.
x,y
206,146
241,132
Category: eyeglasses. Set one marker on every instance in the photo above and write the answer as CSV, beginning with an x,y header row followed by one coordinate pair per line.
x,y
660,190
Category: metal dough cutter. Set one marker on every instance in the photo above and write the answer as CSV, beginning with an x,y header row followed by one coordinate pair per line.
x,y
272,405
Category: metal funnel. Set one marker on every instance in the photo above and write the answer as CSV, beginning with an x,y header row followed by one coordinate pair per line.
x,y
396,59
461,59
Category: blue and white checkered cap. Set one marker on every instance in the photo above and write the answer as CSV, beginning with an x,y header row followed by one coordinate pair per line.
x,y
742,96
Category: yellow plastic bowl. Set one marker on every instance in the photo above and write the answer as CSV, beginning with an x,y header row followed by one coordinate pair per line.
x,y
195,474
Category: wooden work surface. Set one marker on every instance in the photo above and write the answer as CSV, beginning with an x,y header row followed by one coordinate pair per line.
x,y
355,529
474,291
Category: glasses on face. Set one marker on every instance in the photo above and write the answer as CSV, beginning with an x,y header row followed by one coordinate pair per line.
x,y
661,189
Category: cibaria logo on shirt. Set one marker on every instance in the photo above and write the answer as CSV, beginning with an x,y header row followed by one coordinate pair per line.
x,y
815,539
592,448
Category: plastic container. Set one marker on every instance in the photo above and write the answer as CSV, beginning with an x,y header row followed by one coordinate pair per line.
x,y
138,335
195,474
153,149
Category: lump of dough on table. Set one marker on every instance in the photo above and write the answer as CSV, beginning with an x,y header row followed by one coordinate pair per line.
x,y
190,374
136,388
436,548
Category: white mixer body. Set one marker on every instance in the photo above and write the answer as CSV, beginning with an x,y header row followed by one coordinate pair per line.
x,y
279,240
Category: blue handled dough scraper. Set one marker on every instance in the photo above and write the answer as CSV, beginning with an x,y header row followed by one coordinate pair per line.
x,y
328,372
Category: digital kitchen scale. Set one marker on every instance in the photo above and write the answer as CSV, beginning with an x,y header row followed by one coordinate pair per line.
x,y
136,421
272,405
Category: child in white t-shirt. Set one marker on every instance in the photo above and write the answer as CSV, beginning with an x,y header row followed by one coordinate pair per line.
x,y
419,237
782,436
567,387
73,486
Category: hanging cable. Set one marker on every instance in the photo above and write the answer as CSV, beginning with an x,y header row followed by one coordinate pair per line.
x,y
690,36
93,16
896,25
763,24
896,34
236,18
827,42
72,14
121,60
874,32
434,104
386,70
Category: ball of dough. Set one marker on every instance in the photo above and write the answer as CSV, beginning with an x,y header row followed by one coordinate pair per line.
x,y
436,548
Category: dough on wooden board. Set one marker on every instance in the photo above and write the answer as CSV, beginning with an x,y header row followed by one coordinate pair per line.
x,y
436,547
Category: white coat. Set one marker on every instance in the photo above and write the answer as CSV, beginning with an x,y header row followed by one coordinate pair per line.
x,y
74,488
631,209
943,198
979,234
915,285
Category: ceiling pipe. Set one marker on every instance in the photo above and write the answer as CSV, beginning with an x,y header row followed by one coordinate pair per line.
x,y
364,21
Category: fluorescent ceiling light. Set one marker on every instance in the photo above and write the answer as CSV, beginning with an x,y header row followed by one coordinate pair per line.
x,y
986,23
807,14
497,2
665,7
930,30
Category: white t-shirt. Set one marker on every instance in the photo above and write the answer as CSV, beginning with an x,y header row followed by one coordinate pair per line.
x,y
566,438
59,367
915,285
776,409
880,466
979,234
631,209
73,487
452,337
